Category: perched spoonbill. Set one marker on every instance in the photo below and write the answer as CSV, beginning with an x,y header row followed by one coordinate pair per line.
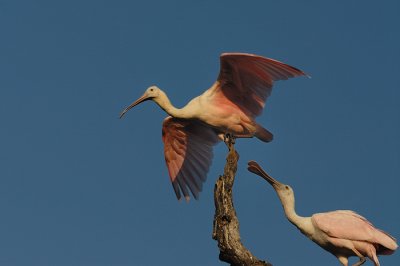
x,y
228,107
343,233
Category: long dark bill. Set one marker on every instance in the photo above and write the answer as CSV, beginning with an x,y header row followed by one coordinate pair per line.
x,y
140,100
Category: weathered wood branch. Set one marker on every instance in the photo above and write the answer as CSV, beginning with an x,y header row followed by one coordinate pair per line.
x,y
226,224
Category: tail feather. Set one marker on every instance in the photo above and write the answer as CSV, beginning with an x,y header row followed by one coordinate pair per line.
x,y
263,134
387,243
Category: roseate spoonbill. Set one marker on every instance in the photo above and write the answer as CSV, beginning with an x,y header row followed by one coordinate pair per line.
x,y
228,107
343,233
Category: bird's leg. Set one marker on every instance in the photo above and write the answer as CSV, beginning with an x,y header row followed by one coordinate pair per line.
x,y
344,261
362,258
360,262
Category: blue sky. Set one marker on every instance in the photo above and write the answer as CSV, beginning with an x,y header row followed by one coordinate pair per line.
x,y
78,186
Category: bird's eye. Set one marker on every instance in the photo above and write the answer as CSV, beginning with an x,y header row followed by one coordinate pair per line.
x,y
151,89
287,187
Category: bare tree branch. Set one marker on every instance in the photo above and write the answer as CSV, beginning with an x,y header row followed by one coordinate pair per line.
x,y
226,224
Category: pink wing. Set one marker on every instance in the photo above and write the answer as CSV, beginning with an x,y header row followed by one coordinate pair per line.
x,y
350,225
188,154
247,80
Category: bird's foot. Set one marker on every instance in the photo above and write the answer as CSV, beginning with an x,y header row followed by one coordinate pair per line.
x,y
229,139
360,262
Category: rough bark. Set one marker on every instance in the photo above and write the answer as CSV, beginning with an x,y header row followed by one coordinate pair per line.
x,y
226,224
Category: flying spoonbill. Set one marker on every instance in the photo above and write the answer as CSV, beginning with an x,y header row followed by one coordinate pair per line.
x,y
229,107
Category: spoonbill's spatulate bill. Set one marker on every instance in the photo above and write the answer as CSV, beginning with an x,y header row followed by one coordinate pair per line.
x,y
343,233
228,107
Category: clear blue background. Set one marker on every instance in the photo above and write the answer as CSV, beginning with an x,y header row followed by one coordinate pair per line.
x,y
78,186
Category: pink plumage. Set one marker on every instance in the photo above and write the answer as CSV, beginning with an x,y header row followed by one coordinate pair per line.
x,y
350,226
188,154
229,107
343,233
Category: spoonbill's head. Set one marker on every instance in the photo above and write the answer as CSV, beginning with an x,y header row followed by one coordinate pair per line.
x,y
152,93
285,192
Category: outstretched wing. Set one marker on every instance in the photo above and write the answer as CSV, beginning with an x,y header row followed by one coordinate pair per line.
x,y
247,80
188,153
352,226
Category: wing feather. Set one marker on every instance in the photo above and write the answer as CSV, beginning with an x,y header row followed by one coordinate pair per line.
x,y
199,167
183,187
352,226
188,153
247,80
195,169
175,186
198,186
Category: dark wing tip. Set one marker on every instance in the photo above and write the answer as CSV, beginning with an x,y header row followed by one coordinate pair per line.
x,y
299,72
296,70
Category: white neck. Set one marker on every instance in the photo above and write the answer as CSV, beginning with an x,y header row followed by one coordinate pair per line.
x,y
302,223
165,104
